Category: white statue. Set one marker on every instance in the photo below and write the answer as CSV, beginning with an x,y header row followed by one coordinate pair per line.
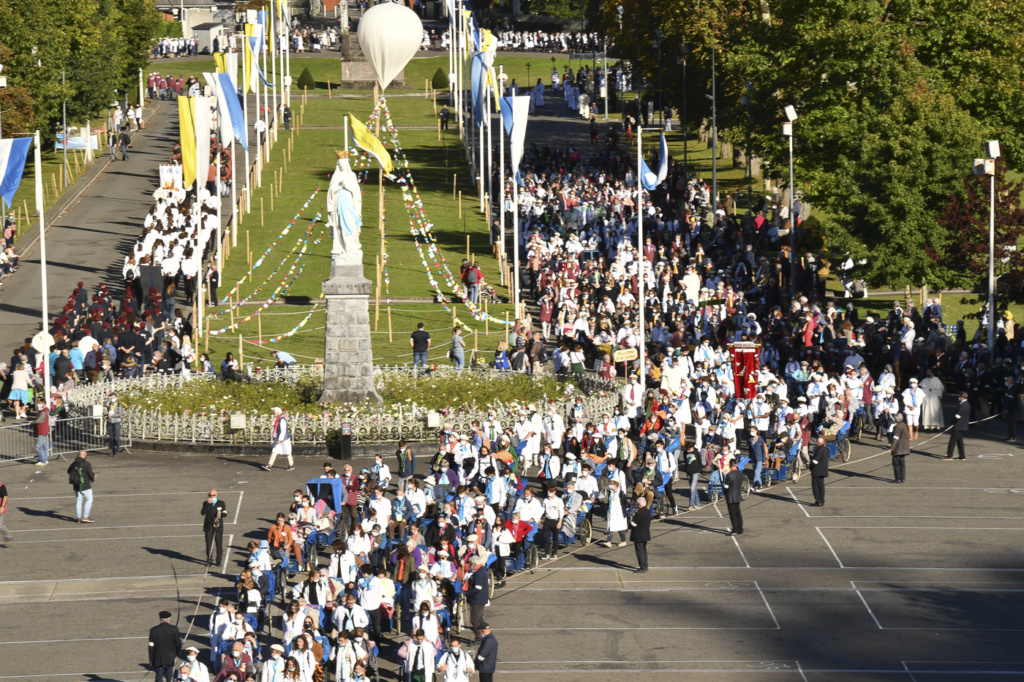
x,y
345,213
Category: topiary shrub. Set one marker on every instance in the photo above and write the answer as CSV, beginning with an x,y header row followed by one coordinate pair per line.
x,y
440,79
306,79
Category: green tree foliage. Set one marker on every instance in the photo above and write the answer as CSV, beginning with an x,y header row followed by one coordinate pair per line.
x,y
306,79
966,215
99,44
16,103
894,100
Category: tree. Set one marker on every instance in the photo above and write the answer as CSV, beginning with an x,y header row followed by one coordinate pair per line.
x,y
16,103
966,215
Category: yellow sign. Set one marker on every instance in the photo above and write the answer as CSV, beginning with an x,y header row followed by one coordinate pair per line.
x,y
626,354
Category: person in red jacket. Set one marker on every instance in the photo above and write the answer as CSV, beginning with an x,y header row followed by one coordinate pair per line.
x,y
41,425
348,509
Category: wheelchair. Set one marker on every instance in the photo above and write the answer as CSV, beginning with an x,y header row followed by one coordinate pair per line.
x,y
716,490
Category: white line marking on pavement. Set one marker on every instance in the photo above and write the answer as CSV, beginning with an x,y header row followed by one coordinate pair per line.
x,y
865,603
94,528
830,547
134,537
187,492
742,555
907,668
120,577
238,508
767,606
227,554
798,502
84,639
800,669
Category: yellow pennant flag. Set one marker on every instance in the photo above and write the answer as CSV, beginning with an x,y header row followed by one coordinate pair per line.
x,y
186,128
218,59
249,75
366,140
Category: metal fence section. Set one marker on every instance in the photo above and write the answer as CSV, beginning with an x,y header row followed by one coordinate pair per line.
x,y
86,433
368,423
17,442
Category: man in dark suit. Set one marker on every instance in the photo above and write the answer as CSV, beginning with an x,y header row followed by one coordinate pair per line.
x,y
487,654
900,448
1011,402
479,592
733,485
641,533
164,644
961,423
213,512
819,471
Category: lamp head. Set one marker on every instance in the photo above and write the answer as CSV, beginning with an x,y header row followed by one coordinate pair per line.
x,y
791,113
992,149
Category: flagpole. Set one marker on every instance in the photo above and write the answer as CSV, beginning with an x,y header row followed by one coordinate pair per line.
x,y
490,149
501,182
515,244
245,114
42,267
640,245
273,59
266,94
288,53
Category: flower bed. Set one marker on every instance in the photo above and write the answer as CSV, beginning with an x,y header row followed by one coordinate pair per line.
x,y
199,408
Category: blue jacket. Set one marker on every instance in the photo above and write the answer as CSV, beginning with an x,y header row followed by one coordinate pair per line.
x,y
478,588
487,655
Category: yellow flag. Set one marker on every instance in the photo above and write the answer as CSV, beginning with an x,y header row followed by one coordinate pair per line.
x,y
366,140
218,59
186,128
249,75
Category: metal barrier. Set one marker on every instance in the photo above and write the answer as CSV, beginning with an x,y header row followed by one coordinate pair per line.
x,y
67,437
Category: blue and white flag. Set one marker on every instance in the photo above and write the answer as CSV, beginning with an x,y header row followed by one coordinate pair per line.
x,y
514,113
650,180
227,97
13,154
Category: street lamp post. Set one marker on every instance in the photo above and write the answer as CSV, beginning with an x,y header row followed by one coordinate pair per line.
x,y
64,114
988,167
787,130
657,46
683,51
714,137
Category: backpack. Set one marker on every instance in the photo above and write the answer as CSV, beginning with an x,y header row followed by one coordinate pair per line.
x,y
471,276
76,477
544,356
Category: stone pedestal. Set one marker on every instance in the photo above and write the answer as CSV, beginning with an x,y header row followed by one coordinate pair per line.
x,y
348,356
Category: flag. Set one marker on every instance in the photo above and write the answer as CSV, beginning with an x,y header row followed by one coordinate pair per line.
x,y
249,76
227,98
202,123
650,179
187,132
367,141
256,46
218,59
231,69
514,113
13,154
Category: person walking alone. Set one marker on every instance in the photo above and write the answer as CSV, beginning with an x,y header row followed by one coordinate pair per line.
x,y
282,438
3,510
41,426
164,643
213,512
487,654
819,471
641,533
733,485
899,449
961,423
115,413
81,476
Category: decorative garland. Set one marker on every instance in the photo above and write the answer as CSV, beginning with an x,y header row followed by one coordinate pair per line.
x,y
303,240
420,227
293,332
270,248
282,288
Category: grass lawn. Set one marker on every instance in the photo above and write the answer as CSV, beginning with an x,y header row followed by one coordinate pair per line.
x,y
308,343
433,164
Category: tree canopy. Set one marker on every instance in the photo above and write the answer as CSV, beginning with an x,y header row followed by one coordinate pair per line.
x,y
100,45
894,102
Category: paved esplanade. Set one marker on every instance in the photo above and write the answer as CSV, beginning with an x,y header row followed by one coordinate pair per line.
x,y
884,582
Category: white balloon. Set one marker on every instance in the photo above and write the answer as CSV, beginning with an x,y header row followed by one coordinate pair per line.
x,y
389,35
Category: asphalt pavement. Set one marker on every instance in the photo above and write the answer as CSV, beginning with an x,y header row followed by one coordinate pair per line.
x,y
920,581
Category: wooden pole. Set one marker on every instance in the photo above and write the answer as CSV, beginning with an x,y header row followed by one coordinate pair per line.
x,y
231,311
476,342
329,96
487,320
272,197
241,354
261,211
206,343
284,161
438,129
467,250
259,326
391,338
455,182
53,181
460,203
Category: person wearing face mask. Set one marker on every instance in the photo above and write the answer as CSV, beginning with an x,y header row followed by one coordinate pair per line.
x,y
529,508
273,668
456,664
345,658
350,616
758,453
235,662
214,510
292,671
193,670
238,628
221,620
418,655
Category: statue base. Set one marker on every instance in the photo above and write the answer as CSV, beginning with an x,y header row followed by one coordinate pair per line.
x,y
348,355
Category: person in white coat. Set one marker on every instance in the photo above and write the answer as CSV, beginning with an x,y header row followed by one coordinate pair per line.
x,y
616,514
913,400
931,411
633,400
418,655
456,664
273,667
194,670
554,429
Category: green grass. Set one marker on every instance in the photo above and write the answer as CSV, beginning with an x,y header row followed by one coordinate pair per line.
x,y
433,164
308,343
